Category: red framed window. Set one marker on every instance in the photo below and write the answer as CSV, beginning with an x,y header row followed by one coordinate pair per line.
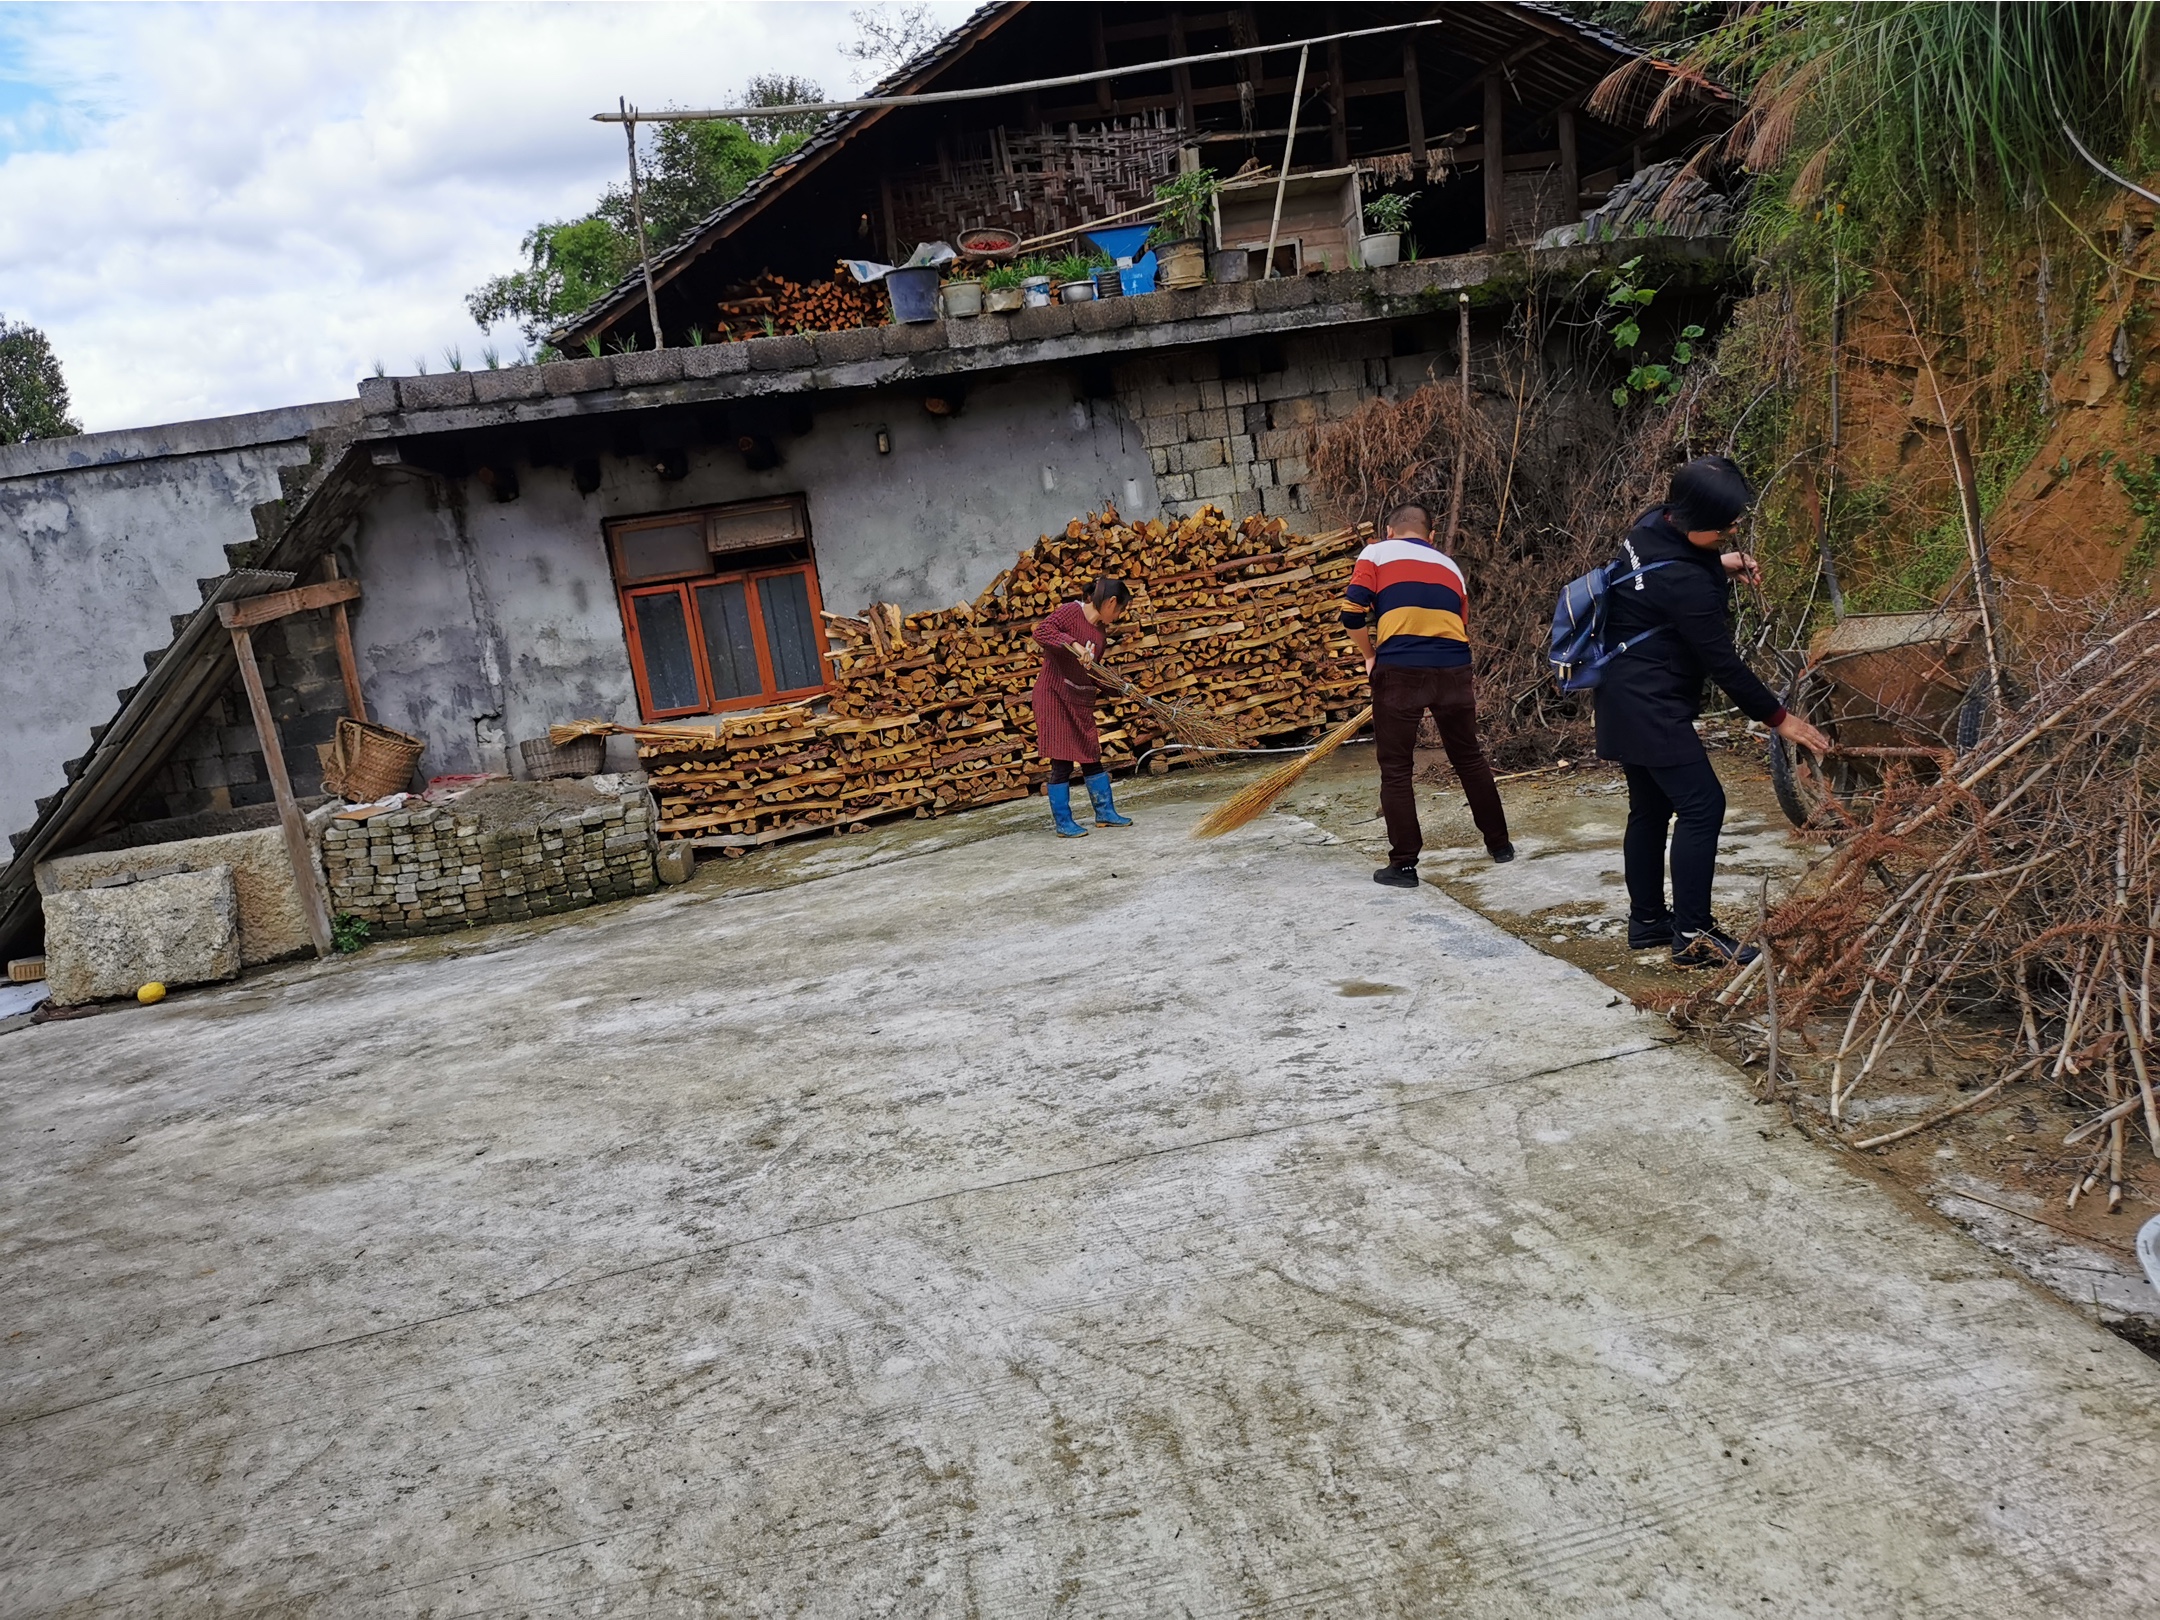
x,y
720,607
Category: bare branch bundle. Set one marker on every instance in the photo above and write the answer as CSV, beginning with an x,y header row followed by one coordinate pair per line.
x,y
2022,883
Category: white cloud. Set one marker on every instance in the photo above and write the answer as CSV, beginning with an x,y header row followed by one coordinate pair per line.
x,y
215,209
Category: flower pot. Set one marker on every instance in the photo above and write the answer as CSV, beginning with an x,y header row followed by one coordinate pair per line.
x,y
1375,251
1076,292
1035,293
963,298
1003,300
1228,265
914,293
1184,264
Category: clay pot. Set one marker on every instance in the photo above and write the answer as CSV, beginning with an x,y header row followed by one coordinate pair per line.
x,y
1184,263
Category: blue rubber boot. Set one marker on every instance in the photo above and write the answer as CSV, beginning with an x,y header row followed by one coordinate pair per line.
x,y
1106,813
1061,810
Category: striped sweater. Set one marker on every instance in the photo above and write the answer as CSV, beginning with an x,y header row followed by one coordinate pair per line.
x,y
1411,595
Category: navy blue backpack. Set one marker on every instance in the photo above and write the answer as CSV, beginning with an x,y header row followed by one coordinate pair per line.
x,y
1578,653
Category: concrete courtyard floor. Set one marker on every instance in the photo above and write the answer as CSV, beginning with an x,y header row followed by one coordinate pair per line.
x,y
956,1221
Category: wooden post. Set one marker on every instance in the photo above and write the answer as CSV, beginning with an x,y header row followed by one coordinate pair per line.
x,y
1462,341
1289,147
1413,100
1103,96
1570,167
296,838
348,666
1495,161
637,218
1181,77
1338,114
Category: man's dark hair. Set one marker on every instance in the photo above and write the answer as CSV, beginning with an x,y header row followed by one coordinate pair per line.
x,y
1106,589
1413,518
1710,492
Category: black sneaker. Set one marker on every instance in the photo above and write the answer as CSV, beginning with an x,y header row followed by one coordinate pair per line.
x,y
1649,936
1502,855
1710,949
1398,877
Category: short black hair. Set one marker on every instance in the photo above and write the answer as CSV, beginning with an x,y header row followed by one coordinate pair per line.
x,y
1413,517
1710,492
1107,588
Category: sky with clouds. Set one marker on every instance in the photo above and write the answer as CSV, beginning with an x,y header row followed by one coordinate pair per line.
x,y
212,209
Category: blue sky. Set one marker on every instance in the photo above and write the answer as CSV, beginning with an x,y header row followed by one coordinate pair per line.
x,y
227,208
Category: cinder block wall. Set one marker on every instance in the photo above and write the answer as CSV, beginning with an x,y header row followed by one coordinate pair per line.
x,y
1233,424
432,869
218,765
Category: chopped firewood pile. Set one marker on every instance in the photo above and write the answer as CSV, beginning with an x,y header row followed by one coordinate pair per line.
x,y
2013,900
772,305
1231,637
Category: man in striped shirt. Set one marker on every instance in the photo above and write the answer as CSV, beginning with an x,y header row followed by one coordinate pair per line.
x,y
1406,611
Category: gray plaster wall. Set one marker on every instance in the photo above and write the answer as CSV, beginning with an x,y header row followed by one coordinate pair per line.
x,y
102,538
484,622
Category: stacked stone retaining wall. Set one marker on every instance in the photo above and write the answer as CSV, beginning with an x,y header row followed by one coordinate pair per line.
x,y
433,869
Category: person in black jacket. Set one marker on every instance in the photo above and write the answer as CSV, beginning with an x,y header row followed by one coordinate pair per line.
x,y
1681,607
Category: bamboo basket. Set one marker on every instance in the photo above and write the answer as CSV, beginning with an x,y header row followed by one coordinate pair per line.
x,y
369,762
547,760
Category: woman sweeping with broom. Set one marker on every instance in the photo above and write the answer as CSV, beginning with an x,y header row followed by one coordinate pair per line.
x,y
1072,640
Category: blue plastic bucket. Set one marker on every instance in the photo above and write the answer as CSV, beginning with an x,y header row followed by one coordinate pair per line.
x,y
913,293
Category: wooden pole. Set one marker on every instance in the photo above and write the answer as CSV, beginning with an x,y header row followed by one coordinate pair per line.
x,y
637,215
1495,161
348,666
1338,113
1413,100
296,838
1181,77
1297,94
1570,166
1462,342
1968,483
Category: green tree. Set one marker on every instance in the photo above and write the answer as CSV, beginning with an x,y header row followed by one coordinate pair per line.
x,y
33,394
685,172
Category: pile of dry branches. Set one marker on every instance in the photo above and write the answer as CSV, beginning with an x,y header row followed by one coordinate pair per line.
x,y
2018,890
1527,491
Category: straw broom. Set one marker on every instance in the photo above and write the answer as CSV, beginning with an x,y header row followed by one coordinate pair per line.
x,y
1195,728
1250,803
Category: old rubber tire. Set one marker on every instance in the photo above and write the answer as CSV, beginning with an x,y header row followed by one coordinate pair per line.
x,y
1793,796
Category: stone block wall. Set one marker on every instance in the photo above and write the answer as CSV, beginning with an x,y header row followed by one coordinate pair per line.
x,y
434,868
219,765
1233,423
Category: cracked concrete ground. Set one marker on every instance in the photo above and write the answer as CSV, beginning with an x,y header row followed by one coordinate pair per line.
x,y
956,1221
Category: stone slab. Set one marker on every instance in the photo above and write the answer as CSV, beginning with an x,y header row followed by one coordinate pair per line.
x,y
181,929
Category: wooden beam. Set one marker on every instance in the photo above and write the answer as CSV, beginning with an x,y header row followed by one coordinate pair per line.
x,y
1413,100
1494,162
1570,165
296,839
255,610
1103,99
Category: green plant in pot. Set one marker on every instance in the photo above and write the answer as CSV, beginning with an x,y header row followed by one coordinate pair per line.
x,y
1002,287
1180,240
1036,284
1387,216
1074,277
962,295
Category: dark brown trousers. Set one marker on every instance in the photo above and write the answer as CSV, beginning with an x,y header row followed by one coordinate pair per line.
x,y
1400,697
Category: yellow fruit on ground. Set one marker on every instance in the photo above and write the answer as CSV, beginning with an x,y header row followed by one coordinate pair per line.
x,y
153,991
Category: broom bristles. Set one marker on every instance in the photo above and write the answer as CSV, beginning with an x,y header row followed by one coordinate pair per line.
x,y
1251,802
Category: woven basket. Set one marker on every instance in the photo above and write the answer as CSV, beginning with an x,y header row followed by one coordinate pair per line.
x,y
370,762
544,762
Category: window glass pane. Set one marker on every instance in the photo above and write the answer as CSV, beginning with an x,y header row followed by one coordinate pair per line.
x,y
724,612
757,523
673,548
664,640
789,633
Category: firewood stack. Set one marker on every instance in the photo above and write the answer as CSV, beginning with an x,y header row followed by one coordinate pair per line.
x,y
929,711
772,305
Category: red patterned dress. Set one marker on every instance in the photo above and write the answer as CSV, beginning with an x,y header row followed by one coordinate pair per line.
x,y
1064,696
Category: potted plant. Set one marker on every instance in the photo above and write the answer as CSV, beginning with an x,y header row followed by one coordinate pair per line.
x,y
963,296
1075,278
1388,215
1035,290
1181,238
1002,288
